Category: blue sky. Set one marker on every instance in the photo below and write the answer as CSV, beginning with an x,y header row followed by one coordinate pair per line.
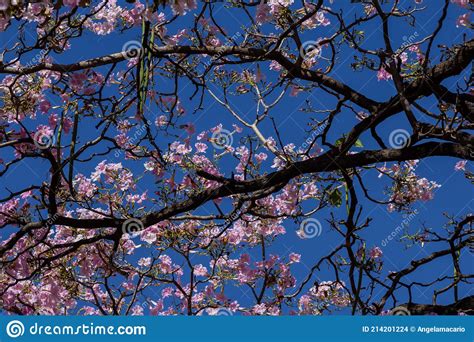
x,y
454,197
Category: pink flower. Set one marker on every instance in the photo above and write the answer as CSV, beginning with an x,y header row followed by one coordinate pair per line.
x,y
383,75
460,165
90,311
275,66
404,57
316,20
375,253
259,157
463,20
200,270
462,3
167,292
157,308
180,7
190,128
263,13
85,187
200,147
144,262
238,129
71,3
161,121
295,257
259,309
64,97
277,4
150,234
4,22
165,263
370,10
295,90
77,81
175,39
137,310
44,106
67,124
53,121
26,194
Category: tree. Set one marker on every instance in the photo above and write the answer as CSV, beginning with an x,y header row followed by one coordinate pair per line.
x,y
141,201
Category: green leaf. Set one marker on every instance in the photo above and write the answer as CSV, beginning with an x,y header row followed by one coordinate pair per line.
x,y
358,143
335,197
339,142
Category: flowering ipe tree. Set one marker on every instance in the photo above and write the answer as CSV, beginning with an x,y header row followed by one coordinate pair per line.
x,y
149,164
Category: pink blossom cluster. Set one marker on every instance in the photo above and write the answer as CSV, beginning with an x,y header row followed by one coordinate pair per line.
x,y
107,15
322,295
407,187
463,19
